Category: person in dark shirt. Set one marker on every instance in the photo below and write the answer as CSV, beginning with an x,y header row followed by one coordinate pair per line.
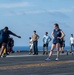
x,y
57,35
62,45
4,35
10,45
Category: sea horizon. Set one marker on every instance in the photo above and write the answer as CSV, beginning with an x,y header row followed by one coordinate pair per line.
x,y
40,48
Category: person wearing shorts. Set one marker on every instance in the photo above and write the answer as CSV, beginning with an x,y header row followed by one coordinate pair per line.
x,y
46,40
10,45
57,35
62,45
4,35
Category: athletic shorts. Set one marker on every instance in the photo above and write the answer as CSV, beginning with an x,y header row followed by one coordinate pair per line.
x,y
3,44
31,46
45,45
55,41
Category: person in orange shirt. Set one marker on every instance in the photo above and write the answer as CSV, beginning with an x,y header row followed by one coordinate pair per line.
x,y
35,38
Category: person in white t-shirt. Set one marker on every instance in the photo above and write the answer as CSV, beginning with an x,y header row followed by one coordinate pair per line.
x,y
31,45
71,43
46,40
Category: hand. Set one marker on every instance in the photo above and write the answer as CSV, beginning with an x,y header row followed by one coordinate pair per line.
x,y
59,37
19,36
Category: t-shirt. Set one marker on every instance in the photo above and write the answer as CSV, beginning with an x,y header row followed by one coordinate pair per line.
x,y
72,40
46,39
4,35
57,33
35,37
31,42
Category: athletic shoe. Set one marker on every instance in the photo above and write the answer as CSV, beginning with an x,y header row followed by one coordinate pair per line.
x,y
29,53
56,59
3,55
48,59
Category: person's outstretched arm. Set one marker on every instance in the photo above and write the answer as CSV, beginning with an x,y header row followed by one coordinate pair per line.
x,y
14,34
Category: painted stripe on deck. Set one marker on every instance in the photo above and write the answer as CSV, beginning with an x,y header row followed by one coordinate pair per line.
x,y
34,65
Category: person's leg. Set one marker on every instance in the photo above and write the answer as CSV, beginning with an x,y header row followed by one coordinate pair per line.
x,y
63,49
46,48
71,48
30,50
57,48
51,51
1,50
63,46
36,47
43,49
31,46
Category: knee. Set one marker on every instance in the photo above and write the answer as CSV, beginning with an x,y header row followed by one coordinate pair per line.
x,y
57,48
51,50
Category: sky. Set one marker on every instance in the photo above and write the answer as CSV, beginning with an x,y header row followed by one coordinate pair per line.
x,y
24,16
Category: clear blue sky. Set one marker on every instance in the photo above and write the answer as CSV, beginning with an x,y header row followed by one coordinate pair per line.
x,y
24,16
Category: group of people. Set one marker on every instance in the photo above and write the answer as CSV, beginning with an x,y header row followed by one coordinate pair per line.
x,y
34,43
58,42
57,36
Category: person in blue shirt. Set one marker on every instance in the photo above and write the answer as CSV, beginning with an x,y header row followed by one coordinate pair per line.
x,y
57,35
46,40
4,36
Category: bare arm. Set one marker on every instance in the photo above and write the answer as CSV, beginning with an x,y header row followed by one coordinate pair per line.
x,y
50,39
38,37
70,41
16,35
11,33
43,39
63,35
52,34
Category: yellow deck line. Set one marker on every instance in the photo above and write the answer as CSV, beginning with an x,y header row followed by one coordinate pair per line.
x,y
33,65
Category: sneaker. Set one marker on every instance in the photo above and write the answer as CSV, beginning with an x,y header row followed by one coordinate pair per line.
x,y
48,59
56,59
34,54
3,55
29,53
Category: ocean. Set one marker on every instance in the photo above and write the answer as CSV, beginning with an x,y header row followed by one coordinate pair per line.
x,y
26,48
